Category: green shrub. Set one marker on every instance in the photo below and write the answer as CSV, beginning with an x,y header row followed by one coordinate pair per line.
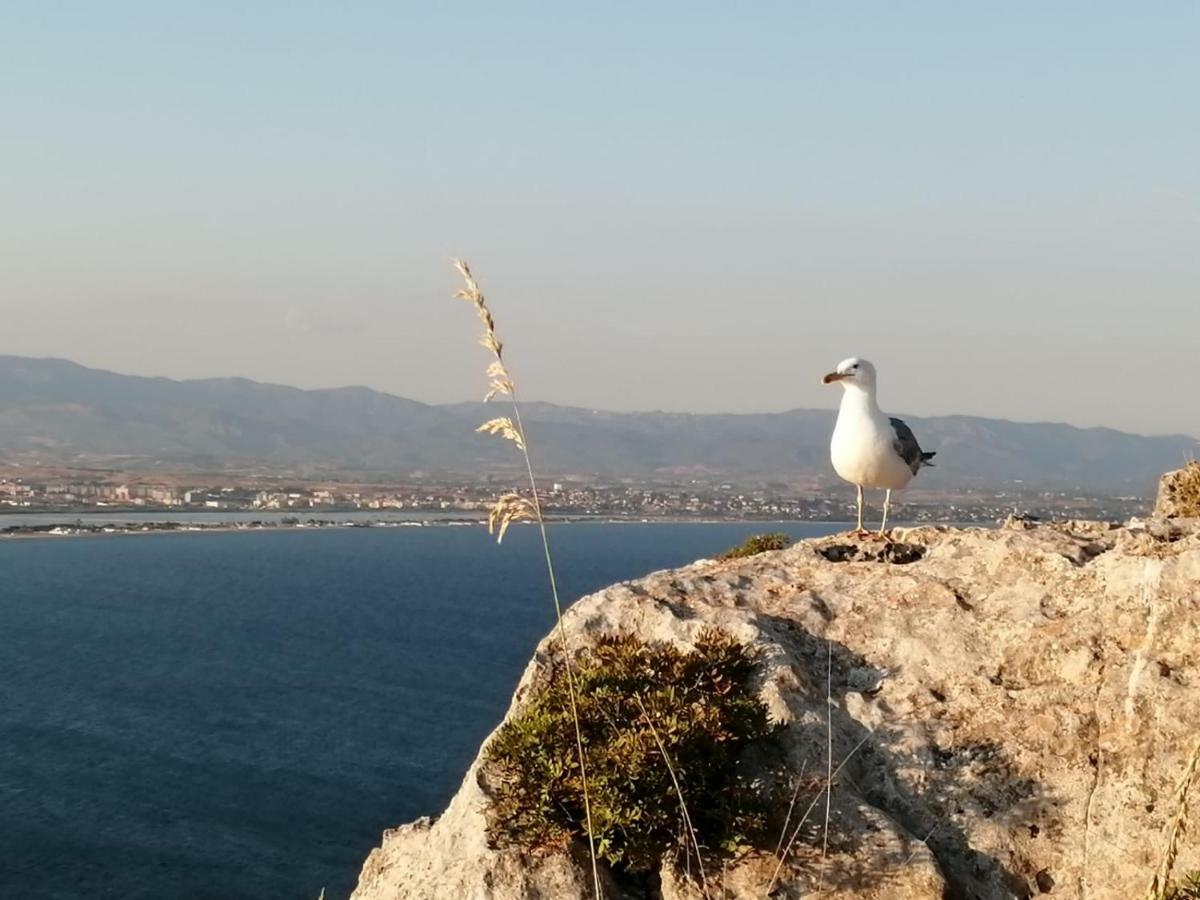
x,y
758,543
704,709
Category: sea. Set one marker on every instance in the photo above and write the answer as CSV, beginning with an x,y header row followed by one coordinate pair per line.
x,y
233,715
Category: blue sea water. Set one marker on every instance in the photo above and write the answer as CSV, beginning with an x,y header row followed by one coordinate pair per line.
x,y
233,716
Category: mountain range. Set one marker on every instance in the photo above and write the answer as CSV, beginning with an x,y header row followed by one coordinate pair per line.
x,y
55,412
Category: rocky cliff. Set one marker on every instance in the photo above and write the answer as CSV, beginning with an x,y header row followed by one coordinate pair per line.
x,y
1011,711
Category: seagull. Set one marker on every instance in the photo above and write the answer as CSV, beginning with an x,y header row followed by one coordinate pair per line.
x,y
870,449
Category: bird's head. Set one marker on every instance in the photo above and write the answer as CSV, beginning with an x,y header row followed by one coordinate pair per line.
x,y
852,371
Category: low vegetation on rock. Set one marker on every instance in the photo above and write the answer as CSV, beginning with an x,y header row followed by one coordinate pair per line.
x,y
665,731
758,543
1186,889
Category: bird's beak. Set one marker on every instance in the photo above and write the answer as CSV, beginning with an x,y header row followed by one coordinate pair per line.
x,y
832,377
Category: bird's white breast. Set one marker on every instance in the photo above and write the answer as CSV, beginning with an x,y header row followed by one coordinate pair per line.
x,y
861,449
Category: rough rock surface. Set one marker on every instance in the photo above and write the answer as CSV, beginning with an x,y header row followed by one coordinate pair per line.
x,y
1179,493
1011,711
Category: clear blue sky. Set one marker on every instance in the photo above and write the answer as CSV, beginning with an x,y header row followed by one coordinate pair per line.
x,y
698,206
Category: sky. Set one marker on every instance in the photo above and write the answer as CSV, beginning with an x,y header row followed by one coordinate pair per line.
x,y
684,206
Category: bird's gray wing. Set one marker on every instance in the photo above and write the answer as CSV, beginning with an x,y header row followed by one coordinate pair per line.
x,y
905,444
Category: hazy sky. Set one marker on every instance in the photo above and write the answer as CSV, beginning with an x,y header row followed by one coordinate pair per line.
x,y
689,206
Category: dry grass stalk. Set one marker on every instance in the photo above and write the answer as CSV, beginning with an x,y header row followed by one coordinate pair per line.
x,y
783,832
827,782
1160,885
921,844
504,427
508,509
514,507
787,851
827,785
687,819
828,758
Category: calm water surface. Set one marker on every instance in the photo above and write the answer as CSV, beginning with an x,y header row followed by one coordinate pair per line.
x,y
232,517
240,715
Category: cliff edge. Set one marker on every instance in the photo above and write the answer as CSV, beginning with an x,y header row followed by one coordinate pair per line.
x,y
1011,712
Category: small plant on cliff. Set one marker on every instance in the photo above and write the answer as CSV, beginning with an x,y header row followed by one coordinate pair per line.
x,y
758,543
665,730
1187,889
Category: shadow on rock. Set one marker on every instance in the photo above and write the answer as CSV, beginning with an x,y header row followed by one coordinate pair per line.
x,y
893,777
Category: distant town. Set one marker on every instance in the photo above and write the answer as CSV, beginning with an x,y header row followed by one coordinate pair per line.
x,y
112,493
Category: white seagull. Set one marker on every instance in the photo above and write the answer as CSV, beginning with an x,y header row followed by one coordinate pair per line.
x,y
869,449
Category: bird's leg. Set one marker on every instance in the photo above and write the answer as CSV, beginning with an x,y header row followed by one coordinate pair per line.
x,y
859,530
887,505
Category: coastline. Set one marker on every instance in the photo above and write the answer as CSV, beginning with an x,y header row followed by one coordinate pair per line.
x,y
66,530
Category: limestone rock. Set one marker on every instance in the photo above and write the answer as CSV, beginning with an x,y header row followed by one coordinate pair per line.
x,y
1179,493
1011,711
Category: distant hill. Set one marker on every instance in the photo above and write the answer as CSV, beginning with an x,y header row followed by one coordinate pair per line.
x,y
55,412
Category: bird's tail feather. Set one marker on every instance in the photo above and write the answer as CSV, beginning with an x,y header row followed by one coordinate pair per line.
x,y
926,457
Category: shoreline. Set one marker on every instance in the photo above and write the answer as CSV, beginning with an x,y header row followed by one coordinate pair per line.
x,y
66,530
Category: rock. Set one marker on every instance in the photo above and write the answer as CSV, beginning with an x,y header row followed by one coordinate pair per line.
x,y
1179,493
1011,711
450,858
